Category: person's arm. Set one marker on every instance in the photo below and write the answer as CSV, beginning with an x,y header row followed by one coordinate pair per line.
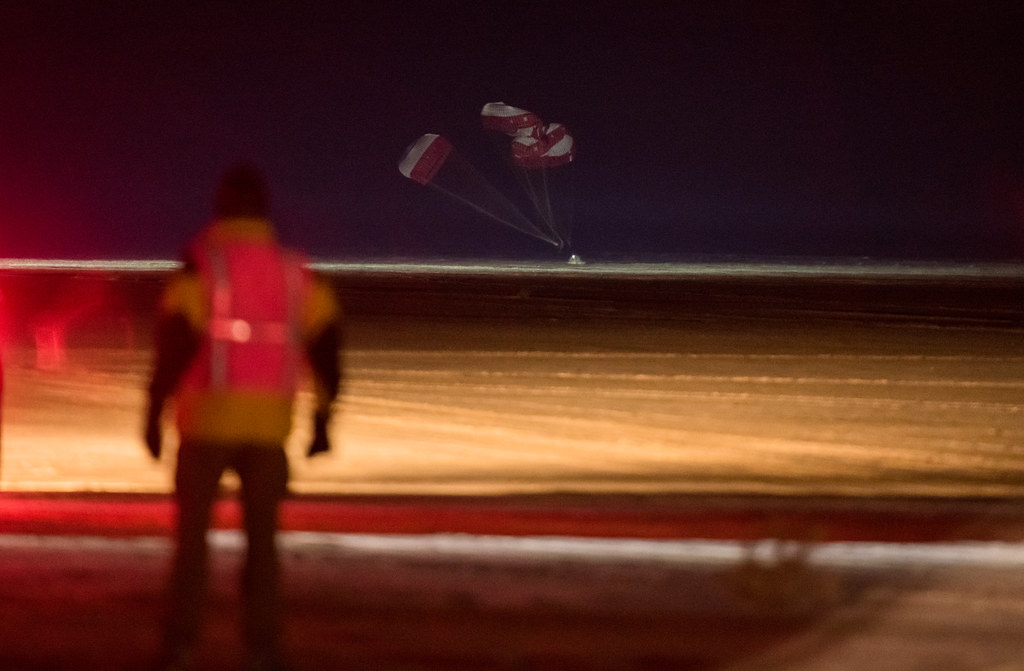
x,y
325,359
176,343
323,351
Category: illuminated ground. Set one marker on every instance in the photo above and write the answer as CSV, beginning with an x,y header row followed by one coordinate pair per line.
x,y
468,384
482,411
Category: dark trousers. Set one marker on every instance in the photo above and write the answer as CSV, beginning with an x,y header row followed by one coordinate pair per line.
x,y
263,471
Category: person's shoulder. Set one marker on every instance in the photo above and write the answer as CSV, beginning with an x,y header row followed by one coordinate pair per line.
x,y
183,294
323,290
322,306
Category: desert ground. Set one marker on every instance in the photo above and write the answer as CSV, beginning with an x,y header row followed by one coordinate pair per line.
x,y
652,472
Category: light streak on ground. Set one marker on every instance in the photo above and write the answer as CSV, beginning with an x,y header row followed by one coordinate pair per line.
x,y
90,265
770,268
845,555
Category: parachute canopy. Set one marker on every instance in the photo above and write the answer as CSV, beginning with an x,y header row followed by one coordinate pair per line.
x,y
535,148
534,143
424,157
509,120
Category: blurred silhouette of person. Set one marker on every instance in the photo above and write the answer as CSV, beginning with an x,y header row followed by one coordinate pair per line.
x,y
234,326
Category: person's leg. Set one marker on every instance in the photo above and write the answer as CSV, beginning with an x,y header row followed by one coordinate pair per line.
x,y
263,472
197,476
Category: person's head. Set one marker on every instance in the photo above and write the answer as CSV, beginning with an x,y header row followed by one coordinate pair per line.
x,y
242,192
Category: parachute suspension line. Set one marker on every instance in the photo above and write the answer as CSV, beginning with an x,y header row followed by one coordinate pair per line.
x,y
548,213
539,197
531,230
527,184
570,200
537,184
498,206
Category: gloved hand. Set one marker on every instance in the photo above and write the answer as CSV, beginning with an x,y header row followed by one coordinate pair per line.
x,y
320,442
154,432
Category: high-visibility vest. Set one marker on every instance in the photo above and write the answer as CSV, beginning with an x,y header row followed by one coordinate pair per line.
x,y
253,341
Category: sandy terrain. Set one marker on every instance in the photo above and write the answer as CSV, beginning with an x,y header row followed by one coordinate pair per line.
x,y
483,386
482,414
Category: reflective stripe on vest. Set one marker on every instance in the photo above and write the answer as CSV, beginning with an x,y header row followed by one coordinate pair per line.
x,y
247,350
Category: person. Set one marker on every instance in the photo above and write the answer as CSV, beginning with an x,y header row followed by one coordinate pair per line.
x,y
234,325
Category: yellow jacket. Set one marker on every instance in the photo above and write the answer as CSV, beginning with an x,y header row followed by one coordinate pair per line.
x,y
231,416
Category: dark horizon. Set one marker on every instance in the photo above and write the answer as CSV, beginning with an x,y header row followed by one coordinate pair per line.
x,y
804,130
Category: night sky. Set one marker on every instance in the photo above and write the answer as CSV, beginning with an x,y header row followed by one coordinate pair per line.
x,y
825,129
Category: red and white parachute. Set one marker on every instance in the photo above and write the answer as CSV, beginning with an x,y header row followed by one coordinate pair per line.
x,y
534,143
535,148
538,153
424,158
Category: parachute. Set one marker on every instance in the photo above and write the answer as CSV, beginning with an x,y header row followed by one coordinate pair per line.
x,y
535,149
537,153
424,158
554,147
534,144
432,161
